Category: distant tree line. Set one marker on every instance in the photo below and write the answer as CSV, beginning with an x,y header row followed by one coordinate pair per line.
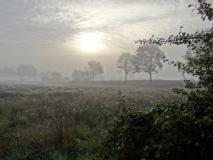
x,y
27,72
24,71
148,59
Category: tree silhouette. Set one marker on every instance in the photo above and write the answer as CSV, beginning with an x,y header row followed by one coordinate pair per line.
x,y
124,63
148,59
95,68
26,71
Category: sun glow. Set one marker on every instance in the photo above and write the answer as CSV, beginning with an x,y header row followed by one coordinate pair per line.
x,y
89,42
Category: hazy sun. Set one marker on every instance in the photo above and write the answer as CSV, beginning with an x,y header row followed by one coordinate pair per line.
x,y
89,42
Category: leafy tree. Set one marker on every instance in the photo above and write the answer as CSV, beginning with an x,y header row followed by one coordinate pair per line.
x,y
124,63
26,71
148,59
181,128
95,68
200,62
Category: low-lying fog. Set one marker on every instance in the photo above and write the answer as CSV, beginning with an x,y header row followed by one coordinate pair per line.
x,y
55,38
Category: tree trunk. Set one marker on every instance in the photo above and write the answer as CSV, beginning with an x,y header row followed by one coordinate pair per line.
x,y
125,71
93,76
150,76
125,78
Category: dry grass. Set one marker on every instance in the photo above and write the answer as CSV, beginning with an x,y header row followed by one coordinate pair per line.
x,y
36,121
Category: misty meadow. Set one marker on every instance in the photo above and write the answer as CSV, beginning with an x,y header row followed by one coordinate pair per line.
x,y
106,80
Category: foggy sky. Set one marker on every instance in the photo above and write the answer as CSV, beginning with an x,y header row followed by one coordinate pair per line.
x,y
36,31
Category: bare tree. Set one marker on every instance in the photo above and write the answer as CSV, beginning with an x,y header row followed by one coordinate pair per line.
x,y
148,59
26,71
95,68
124,63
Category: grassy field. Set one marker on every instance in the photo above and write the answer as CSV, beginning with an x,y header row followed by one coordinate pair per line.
x,y
68,121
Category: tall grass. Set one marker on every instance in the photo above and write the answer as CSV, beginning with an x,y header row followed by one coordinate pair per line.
x,y
62,123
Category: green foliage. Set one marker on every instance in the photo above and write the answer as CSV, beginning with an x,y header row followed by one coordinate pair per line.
x,y
168,132
199,63
204,9
181,128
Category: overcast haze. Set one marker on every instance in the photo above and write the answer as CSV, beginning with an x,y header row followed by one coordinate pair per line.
x,y
44,32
